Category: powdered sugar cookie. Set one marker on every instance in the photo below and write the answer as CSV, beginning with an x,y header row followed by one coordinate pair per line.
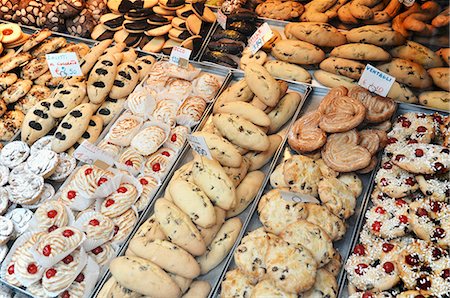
x,y
325,285
41,144
25,188
422,158
6,229
20,218
51,215
4,200
394,181
66,165
42,163
14,153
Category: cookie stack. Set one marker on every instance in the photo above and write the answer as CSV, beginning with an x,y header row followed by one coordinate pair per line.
x,y
405,227
156,26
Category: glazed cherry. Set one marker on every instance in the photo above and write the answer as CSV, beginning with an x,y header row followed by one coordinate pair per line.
x,y
401,119
156,167
50,273
387,166
435,206
410,181
399,157
418,152
80,277
406,123
52,228
367,295
173,138
109,202
65,294
392,140
445,274
388,267
384,182
94,222
403,219
7,32
116,230
400,202
387,247
376,226
101,181
165,153
380,210
129,163
11,269
412,141
71,194
412,260
97,250
47,250
32,268
52,213
122,189
68,233
437,253
359,250
421,129
88,171
439,233
143,181
423,283
68,259
421,212
360,268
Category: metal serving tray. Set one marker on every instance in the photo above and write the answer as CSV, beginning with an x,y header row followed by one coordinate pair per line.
x,y
343,245
401,109
214,276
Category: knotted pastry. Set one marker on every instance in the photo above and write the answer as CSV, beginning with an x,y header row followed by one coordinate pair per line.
x,y
343,114
305,134
343,154
379,108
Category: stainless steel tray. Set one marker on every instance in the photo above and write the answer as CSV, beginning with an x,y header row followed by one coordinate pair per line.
x,y
343,245
214,275
401,109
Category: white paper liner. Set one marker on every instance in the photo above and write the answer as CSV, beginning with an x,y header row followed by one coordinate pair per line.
x,y
5,264
47,193
90,244
153,192
129,169
34,224
19,242
126,139
161,125
298,197
91,275
186,120
80,267
50,261
120,242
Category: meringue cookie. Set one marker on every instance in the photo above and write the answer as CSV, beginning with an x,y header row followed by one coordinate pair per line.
x,y
206,86
51,215
119,201
26,267
123,225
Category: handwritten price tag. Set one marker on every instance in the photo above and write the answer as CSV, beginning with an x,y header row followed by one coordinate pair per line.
x,y
198,144
221,19
260,37
91,154
63,64
376,81
180,56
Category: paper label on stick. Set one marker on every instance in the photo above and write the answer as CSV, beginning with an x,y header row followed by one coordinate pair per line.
x,y
260,37
180,56
63,64
376,81
298,197
198,144
91,154
221,19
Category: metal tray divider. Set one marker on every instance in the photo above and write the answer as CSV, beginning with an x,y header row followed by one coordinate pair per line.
x,y
215,288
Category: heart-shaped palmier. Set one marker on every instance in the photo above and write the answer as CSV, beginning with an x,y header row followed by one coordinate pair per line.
x,y
305,134
343,114
379,108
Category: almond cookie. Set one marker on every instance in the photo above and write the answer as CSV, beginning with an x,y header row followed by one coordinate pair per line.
x,y
302,175
337,197
236,284
51,215
101,78
119,201
321,216
394,181
422,158
49,46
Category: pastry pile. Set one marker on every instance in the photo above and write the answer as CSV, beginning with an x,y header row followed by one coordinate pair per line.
x,y
403,246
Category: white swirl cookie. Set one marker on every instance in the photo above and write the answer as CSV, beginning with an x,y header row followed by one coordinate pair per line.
x,y
41,144
37,290
119,133
422,158
25,188
132,159
437,188
394,181
14,153
98,227
51,215
66,165
78,286
177,137
4,200
20,218
206,86
42,163
430,221
26,266
60,241
158,163
389,220
102,254
236,284
88,178
141,102
60,276
149,186
6,229
337,197
10,274
191,110
148,140
123,225
166,111
119,201
4,175
177,89
373,266
109,148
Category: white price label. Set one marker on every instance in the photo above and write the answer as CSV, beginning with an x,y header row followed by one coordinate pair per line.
x,y
298,197
198,144
63,64
180,56
407,3
221,19
376,81
260,37
91,154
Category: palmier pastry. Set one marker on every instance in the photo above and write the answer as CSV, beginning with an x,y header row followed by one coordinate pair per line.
x,y
305,134
379,108
343,114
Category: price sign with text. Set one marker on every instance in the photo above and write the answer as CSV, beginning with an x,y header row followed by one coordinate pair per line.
x,y
180,56
63,64
198,144
90,154
221,19
376,81
260,37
